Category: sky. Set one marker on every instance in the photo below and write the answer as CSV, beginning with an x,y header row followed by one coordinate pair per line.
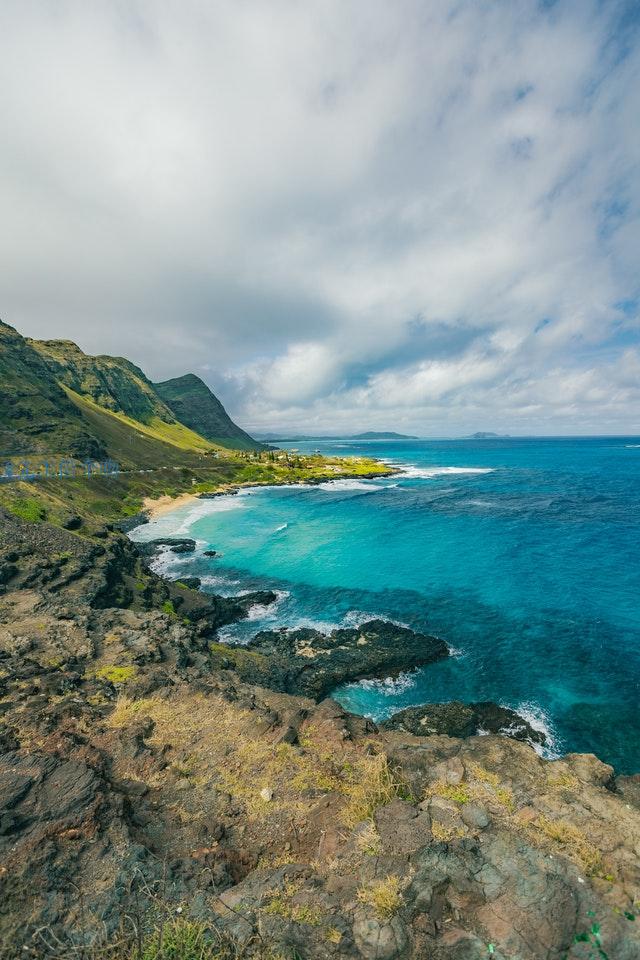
x,y
344,215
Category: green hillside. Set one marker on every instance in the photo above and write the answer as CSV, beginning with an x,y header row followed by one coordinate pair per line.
x,y
36,416
112,382
55,399
193,404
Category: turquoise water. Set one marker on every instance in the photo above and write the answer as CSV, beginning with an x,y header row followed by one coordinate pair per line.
x,y
522,554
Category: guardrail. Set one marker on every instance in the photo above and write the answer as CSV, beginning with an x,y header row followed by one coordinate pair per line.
x,y
45,468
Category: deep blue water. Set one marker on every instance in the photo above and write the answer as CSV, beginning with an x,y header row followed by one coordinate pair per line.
x,y
529,570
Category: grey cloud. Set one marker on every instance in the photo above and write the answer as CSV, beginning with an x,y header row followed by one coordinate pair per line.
x,y
271,193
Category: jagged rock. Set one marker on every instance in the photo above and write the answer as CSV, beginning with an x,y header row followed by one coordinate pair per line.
x,y
311,663
149,548
456,719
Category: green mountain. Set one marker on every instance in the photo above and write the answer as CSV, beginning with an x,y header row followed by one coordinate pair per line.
x,y
113,383
191,401
36,415
55,399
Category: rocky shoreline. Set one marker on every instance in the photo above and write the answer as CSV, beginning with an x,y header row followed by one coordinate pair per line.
x,y
151,775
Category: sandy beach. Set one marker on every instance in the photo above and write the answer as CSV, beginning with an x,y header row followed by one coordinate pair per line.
x,y
156,507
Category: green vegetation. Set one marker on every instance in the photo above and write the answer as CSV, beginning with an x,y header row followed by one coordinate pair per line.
x,y
28,508
56,401
115,674
194,404
179,940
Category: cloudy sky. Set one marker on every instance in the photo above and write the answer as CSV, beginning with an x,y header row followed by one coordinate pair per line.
x,y
418,215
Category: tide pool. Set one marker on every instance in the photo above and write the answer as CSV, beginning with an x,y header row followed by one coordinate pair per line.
x,y
522,554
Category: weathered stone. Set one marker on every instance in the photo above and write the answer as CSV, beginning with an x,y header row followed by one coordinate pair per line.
x,y
380,940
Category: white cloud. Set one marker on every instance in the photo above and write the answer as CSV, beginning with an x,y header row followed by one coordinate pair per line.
x,y
422,214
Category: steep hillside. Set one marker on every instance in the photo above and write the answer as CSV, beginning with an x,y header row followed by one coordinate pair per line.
x,y
112,382
36,416
55,399
194,404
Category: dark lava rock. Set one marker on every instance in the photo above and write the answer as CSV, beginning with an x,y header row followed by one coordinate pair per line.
x,y
311,663
130,523
456,719
210,553
176,544
193,583
72,523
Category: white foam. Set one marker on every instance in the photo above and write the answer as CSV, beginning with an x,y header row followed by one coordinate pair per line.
x,y
426,473
267,611
355,618
540,721
456,652
347,484
390,686
283,526
219,581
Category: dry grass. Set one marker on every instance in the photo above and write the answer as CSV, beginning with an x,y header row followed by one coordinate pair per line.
x,y
484,785
126,711
384,896
444,834
368,840
372,784
216,746
569,840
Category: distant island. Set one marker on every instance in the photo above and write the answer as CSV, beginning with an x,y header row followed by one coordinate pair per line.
x,y
370,435
487,435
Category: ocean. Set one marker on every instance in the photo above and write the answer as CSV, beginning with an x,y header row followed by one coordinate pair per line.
x,y
523,554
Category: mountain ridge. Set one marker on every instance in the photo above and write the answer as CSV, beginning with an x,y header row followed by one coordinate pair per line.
x,y
56,399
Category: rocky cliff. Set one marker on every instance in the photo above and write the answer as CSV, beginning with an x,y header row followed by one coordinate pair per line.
x,y
155,804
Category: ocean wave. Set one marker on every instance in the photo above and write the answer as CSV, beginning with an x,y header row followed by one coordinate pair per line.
x,y
347,484
540,721
426,473
218,581
283,526
389,686
355,618
457,653
267,611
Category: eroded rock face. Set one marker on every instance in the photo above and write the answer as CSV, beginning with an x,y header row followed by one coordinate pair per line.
x,y
456,719
312,664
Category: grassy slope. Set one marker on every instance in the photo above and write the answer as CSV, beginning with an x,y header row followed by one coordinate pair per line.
x,y
141,444
114,383
191,401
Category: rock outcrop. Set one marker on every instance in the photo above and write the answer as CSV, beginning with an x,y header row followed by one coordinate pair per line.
x,y
313,664
456,719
